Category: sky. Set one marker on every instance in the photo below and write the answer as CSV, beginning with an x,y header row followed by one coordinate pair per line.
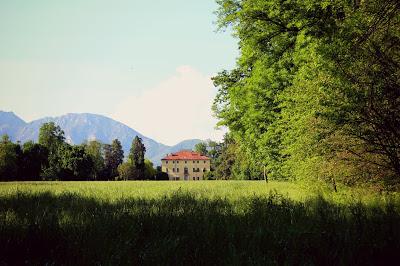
x,y
147,64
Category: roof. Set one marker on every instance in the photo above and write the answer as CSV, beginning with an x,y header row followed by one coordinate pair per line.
x,y
185,155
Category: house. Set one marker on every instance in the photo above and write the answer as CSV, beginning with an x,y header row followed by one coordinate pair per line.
x,y
185,165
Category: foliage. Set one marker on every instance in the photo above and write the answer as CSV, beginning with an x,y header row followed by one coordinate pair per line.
x,y
136,156
315,92
113,156
51,136
54,159
76,164
126,171
94,150
201,148
33,160
160,175
149,171
9,159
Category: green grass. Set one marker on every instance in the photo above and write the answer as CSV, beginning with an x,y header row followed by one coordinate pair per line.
x,y
208,222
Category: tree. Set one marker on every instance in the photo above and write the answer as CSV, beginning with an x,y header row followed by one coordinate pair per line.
x,y
149,171
211,149
107,172
201,148
34,158
160,175
214,149
94,150
136,156
315,88
10,154
52,138
226,160
113,156
76,164
126,171
364,90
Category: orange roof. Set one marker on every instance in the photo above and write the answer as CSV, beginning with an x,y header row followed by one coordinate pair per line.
x,y
185,155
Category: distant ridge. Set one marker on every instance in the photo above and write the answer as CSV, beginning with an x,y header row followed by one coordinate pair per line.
x,y
79,127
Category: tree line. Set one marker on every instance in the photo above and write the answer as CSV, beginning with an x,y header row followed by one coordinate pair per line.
x,y
227,161
315,94
52,158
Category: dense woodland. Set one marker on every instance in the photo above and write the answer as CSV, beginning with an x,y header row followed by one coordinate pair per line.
x,y
54,159
315,93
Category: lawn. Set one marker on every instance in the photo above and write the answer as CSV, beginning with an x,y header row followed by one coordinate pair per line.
x,y
208,222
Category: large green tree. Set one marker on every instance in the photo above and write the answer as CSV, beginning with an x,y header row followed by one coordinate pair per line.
x,y
149,171
10,154
51,136
76,164
315,91
94,149
136,157
34,158
113,157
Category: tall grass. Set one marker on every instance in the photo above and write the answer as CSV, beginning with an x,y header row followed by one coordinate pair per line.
x,y
194,223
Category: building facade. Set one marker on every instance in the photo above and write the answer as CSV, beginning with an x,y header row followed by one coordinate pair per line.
x,y
185,165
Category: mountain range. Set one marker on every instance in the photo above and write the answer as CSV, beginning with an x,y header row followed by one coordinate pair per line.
x,y
84,126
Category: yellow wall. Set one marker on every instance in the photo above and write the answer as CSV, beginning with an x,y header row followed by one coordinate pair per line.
x,y
181,164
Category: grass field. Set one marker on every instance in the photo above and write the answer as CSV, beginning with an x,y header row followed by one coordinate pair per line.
x,y
208,222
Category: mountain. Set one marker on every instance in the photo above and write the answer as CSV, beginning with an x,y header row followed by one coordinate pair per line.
x,y
10,123
81,127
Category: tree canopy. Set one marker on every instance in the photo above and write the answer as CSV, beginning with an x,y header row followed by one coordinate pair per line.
x,y
54,159
315,92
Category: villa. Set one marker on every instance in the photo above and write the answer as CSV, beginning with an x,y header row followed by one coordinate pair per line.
x,y
185,165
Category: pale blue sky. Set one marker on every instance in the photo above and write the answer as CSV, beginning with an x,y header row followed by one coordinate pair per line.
x,y
113,58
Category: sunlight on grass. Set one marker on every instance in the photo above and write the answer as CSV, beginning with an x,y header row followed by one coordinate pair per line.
x,y
210,222
232,190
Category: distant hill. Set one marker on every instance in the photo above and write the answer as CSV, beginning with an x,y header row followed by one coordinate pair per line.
x,y
81,127
10,123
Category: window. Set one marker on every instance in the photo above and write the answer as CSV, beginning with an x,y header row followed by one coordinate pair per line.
x,y
194,178
198,170
173,170
194,162
194,169
204,170
198,178
177,161
177,170
204,161
197,161
185,161
166,162
173,161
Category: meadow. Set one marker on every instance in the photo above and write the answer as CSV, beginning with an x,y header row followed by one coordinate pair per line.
x,y
208,222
